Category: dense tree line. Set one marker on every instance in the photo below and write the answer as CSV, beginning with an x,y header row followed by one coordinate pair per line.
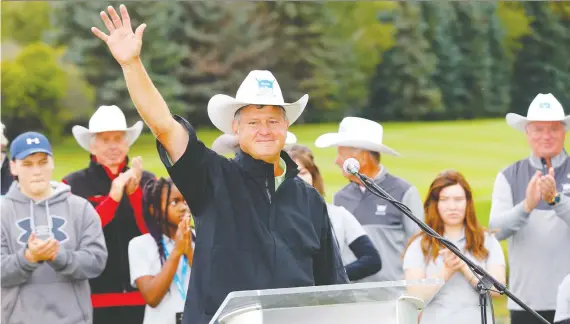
x,y
381,60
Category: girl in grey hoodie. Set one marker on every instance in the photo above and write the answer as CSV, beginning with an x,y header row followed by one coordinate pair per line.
x,y
52,242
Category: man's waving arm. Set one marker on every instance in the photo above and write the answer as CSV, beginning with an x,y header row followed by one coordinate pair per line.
x,y
126,48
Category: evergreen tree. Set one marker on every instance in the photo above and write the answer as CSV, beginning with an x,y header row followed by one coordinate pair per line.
x,y
501,64
441,20
542,66
404,86
310,60
162,50
192,50
225,41
471,35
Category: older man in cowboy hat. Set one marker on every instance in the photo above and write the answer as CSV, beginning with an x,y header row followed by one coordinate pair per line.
x,y
6,177
388,228
259,226
531,209
114,189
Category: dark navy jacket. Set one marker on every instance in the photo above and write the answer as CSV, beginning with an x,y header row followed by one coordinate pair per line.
x,y
6,177
250,236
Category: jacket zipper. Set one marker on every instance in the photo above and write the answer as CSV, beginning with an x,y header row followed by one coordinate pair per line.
x,y
267,189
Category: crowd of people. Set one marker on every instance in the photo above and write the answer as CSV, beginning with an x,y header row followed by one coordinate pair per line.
x,y
112,243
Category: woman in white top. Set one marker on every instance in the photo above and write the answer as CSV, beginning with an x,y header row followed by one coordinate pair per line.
x,y
353,241
450,211
160,261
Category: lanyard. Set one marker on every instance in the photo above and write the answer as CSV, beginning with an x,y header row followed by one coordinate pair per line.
x,y
179,283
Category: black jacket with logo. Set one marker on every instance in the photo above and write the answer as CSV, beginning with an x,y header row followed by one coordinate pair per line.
x,y
249,235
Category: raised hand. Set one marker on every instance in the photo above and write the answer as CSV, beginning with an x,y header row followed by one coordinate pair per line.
x,y
118,185
135,175
547,186
180,239
123,43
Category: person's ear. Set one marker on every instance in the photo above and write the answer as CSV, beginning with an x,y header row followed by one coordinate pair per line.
x,y
235,127
13,168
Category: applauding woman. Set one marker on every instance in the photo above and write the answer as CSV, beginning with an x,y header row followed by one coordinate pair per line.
x,y
160,261
450,211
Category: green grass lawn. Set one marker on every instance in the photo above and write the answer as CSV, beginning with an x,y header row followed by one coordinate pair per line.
x,y
478,149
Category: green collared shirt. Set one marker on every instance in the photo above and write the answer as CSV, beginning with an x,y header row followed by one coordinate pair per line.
x,y
279,179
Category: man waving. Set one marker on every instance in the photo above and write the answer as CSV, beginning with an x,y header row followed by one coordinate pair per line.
x,y
259,226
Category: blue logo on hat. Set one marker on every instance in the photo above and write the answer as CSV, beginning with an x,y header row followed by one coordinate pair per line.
x,y
265,87
544,105
29,143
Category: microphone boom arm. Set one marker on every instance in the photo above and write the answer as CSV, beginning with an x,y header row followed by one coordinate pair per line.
x,y
486,281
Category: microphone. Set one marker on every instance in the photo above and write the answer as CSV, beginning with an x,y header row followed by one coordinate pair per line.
x,y
351,166
545,165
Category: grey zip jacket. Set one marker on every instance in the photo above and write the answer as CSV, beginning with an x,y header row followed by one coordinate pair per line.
x,y
50,291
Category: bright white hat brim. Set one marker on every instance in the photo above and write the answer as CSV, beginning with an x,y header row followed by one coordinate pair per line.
x,y
222,109
338,139
83,135
228,143
519,122
225,144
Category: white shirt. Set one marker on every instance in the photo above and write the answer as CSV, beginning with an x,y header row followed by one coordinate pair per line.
x,y
346,229
144,260
457,301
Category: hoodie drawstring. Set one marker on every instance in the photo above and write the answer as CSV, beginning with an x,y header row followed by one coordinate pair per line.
x,y
49,224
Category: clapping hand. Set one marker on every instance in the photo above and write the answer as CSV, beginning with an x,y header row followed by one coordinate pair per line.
x,y
451,263
40,250
183,237
547,186
135,175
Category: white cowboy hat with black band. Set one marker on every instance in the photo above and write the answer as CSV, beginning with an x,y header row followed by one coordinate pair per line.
x,y
228,143
544,107
258,88
358,133
106,119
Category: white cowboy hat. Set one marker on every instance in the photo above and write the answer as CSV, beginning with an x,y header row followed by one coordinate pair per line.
x,y
228,143
544,107
358,133
258,88
106,119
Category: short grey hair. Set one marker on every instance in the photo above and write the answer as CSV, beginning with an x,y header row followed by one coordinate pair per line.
x,y
238,112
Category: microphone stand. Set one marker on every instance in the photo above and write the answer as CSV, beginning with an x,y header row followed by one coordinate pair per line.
x,y
486,281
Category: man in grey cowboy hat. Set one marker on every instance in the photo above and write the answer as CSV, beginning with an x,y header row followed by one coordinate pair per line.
x,y
388,228
531,209
258,225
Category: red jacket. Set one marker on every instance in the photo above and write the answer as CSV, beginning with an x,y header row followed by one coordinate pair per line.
x,y
121,222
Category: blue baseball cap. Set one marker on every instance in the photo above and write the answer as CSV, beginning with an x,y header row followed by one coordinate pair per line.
x,y
29,143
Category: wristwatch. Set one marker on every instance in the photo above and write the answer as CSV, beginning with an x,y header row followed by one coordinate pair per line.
x,y
555,200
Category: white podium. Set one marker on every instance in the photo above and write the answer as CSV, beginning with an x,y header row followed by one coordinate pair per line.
x,y
394,302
